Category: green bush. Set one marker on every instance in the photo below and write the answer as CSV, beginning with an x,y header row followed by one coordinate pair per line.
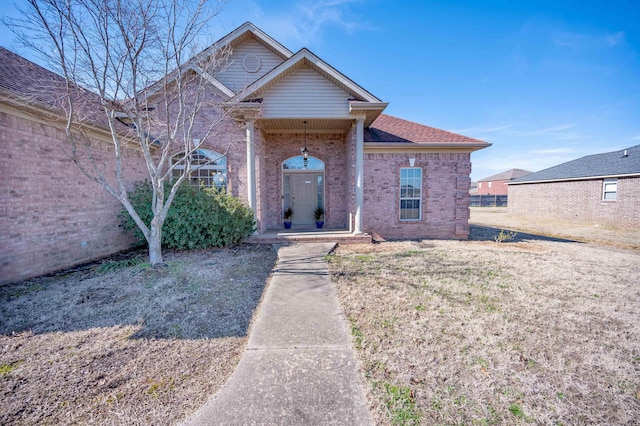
x,y
198,217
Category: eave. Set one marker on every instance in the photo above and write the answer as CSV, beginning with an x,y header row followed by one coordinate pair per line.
x,y
573,179
407,147
44,114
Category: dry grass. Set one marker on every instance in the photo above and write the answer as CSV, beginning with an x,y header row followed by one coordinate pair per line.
x,y
479,332
131,346
588,232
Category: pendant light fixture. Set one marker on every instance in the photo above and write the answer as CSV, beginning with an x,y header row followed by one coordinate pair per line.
x,y
305,151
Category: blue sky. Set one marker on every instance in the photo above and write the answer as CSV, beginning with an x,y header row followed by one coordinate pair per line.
x,y
544,81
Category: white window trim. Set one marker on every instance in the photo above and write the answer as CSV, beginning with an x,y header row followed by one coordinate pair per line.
x,y
400,198
212,168
606,183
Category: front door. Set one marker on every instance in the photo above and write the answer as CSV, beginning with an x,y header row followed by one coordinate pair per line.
x,y
303,198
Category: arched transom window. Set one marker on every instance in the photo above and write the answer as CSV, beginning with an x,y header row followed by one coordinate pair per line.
x,y
208,168
297,163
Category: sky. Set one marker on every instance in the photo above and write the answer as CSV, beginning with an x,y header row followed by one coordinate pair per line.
x,y
544,82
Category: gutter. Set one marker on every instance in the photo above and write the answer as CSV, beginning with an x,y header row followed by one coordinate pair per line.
x,y
575,179
392,146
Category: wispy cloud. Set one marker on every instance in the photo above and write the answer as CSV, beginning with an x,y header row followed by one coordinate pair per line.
x,y
544,131
480,129
304,22
552,151
636,138
577,41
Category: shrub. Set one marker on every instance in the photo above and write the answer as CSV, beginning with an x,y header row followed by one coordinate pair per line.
x,y
198,217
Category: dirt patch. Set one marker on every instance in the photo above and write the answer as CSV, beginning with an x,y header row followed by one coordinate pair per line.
x,y
131,346
476,332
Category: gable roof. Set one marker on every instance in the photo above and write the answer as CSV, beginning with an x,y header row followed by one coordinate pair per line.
x,y
624,162
508,175
304,57
245,32
361,101
390,130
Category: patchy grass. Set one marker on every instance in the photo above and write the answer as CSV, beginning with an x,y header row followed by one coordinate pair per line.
x,y
478,333
127,344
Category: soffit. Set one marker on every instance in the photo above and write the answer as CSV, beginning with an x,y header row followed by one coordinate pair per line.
x,y
296,125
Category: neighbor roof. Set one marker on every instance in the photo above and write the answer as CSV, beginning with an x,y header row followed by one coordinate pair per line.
x,y
624,162
508,175
394,130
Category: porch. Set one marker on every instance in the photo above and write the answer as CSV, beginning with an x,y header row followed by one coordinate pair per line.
x,y
309,235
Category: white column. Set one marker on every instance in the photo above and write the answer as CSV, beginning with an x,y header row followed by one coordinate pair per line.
x,y
251,165
357,229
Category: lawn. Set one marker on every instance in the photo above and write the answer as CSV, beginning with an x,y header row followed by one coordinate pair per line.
x,y
479,333
130,345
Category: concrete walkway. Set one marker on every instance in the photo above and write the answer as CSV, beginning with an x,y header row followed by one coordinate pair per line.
x,y
299,367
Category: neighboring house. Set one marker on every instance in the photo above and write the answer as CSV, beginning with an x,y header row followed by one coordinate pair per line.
x,y
497,184
598,189
371,172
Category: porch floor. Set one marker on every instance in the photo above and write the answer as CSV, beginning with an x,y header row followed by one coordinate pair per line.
x,y
308,235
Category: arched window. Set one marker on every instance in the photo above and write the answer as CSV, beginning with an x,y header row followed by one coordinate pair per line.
x,y
208,168
297,163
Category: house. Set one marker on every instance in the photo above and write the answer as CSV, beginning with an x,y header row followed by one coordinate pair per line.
x,y
309,137
599,189
497,184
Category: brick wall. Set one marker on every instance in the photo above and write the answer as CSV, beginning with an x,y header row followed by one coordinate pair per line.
x,y
579,201
51,215
330,148
445,197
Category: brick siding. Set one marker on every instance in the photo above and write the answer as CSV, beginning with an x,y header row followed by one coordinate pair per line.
x,y
52,216
330,148
445,195
578,201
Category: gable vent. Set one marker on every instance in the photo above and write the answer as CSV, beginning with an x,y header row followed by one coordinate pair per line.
x,y
251,63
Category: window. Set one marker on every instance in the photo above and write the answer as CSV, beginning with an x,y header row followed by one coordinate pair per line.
x,y
410,193
208,168
479,185
609,189
489,184
297,163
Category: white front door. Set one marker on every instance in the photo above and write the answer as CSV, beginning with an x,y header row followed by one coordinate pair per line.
x,y
303,198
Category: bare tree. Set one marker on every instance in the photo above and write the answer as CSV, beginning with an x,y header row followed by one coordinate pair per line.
x,y
136,59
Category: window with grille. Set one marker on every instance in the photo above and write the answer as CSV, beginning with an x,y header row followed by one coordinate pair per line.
x,y
610,189
410,193
208,169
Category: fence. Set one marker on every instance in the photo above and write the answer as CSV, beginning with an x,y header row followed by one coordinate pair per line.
x,y
488,201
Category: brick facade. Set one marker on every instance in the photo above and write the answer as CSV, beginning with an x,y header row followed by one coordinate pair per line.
x,y
330,148
445,195
579,200
53,216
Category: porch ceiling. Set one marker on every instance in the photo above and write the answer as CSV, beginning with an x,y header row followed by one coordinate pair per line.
x,y
295,125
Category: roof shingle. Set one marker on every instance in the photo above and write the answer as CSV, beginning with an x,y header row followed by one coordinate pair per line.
x,y
612,164
389,129
508,175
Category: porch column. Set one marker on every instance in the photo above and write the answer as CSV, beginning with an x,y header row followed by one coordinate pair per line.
x,y
251,166
357,228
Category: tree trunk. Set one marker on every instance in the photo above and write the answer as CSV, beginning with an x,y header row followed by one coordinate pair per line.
x,y
155,244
